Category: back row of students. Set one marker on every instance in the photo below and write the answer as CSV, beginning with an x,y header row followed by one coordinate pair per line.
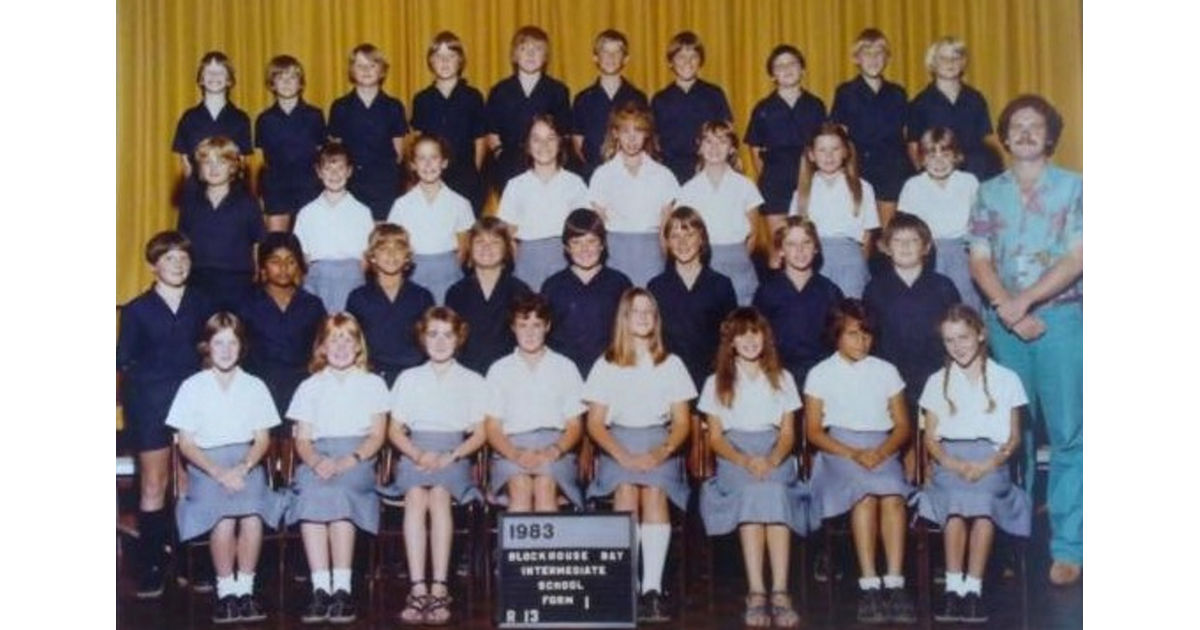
x,y
885,127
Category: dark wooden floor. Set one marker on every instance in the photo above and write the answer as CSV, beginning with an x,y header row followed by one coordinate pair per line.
x,y
381,600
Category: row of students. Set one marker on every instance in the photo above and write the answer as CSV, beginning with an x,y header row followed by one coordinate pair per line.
x,y
373,124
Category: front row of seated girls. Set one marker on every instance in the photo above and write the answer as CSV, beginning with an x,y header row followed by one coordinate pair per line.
x,y
530,410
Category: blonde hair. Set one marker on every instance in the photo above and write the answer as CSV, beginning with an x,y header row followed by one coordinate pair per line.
x,y
338,322
282,64
641,118
389,234
961,313
220,147
956,45
219,58
868,37
373,54
622,351
808,167
720,129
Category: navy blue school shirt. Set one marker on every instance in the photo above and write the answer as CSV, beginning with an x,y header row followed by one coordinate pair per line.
x,y
367,133
222,237
490,336
590,114
197,124
797,318
876,124
967,116
509,114
390,327
290,142
691,318
156,351
583,314
906,322
678,115
782,131
280,341
459,120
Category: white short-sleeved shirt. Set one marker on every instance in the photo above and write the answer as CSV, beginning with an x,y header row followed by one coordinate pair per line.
x,y
526,397
855,394
756,405
423,400
633,203
725,207
971,419
433,226
538,209
946,209
334,232
339,404
218,416
640,395
831,208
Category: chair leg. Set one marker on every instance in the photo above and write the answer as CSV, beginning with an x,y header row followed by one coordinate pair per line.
x,y
924,575
831,577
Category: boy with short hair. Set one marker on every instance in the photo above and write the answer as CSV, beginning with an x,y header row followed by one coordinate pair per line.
x,y
290,134
595,103
686,104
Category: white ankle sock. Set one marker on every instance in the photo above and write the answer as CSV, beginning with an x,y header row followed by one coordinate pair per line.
x,y
954,583
973,585
341,580
320,581
869,583
245,584
893,581
226,585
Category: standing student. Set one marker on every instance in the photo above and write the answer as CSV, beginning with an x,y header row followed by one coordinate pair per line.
x,y
483,298
949,102
638,416
389,305
536,202
290,133
841,204
856,419
748,402
437,424
1027,257
513,102
942,196
692,298
534,417
224,223
633,194
436,217
598,101
223,416
214,115
371,124
156,351
972,428
781,126
334,229
583,297
908,299
281,319
453,110
341,416
874,110
687,103
728,202
797,299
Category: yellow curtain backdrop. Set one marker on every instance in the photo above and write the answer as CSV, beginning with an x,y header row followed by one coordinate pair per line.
x,y
1015,46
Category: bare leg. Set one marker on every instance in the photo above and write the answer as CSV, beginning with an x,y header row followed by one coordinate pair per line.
x,y
887,210
441,531
154,473
753,539
341,539
223,546
892,516
520,493
249,543
316,545
545,494
983,533
864,526
779,549
654,506
955,542
416,504
278,222
625,499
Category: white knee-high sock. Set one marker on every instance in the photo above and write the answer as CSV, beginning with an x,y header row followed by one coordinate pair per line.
x,y
655,539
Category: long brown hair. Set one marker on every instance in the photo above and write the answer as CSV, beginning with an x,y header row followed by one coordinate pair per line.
x,y
741,321
622,351
808,167
642,119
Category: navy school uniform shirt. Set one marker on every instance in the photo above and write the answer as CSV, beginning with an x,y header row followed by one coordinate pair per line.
x,y
590,114
583,313
691,318
797,318
290,142
223,237
389,326
197,124
459,120
782,131
490,335
967,116
509,114
280,341
906,322
156,351
367,133
678,115
876,124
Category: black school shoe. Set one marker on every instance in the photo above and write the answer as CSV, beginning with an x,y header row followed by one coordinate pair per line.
x,y
951,610
973,610
151,584
226,610
318,608
341,608
652,608
870,607
249,610
898,606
